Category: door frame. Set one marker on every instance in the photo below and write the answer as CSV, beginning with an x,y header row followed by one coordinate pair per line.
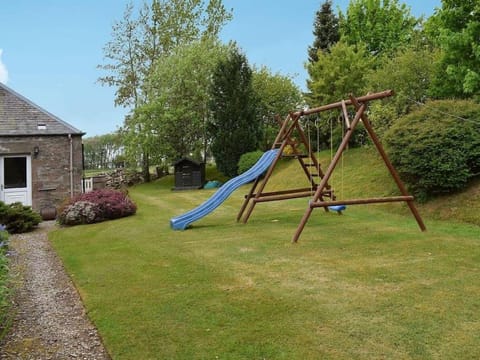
x,y
27,189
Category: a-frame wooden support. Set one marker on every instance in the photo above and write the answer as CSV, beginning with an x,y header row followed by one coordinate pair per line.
x,y
323,189
308,162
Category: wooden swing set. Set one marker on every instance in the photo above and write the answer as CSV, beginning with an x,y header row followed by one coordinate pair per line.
x,y
322,194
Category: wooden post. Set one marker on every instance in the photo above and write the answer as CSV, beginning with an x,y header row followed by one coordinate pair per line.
x,y
345,115
247,198
262,185
389,165
328,173
282,137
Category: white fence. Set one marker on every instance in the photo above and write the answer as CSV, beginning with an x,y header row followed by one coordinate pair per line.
x,y
87,185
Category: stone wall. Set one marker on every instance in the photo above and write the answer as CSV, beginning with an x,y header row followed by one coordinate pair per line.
x,y
117,179
51,180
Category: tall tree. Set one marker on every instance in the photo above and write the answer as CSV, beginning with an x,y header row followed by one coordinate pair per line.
x,y
333,77
179,97
125,64
277,95
139,40
325,31
456,27
409,72
100,152
235,128
382,25
337,74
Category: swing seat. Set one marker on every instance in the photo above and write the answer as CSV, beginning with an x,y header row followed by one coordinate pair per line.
x,y
337,208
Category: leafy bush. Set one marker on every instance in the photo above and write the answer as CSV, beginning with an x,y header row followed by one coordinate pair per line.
x,y
434,152
4,289
80,212
18,218
247,160
96,206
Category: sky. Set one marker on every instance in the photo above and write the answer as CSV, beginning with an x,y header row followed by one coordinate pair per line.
x,y
50,49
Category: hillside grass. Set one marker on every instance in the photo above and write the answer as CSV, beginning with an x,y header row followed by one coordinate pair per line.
x,y
365,285
361,173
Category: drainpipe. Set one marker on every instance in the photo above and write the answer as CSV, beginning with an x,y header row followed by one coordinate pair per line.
x,y
71,164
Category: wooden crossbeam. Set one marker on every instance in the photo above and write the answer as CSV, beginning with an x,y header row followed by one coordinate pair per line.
x,y
377,200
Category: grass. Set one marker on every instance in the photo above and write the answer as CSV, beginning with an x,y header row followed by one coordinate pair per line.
x,y
363,174
5,292
365,285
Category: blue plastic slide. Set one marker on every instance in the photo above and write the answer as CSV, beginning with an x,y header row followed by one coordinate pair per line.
x,y
181,222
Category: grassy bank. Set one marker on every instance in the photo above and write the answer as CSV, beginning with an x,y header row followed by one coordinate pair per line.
x,y
364,285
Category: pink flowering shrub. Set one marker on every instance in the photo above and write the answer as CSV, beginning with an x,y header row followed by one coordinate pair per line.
x,y
96,206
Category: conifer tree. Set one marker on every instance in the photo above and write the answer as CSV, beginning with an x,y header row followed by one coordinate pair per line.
x,y
235,128
325,30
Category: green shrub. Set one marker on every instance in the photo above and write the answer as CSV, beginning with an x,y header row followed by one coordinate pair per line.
x,y
5,316
18,218
434,151
247,160
96,206
4,235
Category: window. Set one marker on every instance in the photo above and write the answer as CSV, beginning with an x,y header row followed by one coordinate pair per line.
x,y
15,172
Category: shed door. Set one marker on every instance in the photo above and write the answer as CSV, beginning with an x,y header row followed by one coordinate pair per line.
x,y
16,179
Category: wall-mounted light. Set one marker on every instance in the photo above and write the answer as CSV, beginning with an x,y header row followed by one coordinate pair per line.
x,y
36,151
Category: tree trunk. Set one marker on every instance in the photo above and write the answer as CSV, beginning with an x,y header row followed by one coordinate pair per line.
x,y
146,167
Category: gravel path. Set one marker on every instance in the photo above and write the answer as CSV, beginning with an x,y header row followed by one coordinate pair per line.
x,y
50,320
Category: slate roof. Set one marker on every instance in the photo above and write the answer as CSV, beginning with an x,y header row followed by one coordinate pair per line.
x,y
21,117
186,159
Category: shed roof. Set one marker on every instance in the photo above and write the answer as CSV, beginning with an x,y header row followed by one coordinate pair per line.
x,y
187,160
19,117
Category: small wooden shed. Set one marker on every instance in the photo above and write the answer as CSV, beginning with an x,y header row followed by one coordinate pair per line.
x,y
189,174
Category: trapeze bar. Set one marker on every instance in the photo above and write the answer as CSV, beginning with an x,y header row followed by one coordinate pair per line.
x,y
361,201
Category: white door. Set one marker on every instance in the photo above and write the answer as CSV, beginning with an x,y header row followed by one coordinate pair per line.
x,y
16,179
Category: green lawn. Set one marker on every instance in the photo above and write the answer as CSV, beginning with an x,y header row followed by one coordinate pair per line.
x,y
365,285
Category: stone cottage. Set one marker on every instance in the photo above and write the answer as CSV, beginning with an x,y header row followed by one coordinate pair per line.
x,y
40,155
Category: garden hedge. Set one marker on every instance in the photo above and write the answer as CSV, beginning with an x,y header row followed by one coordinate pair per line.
x,y
436,148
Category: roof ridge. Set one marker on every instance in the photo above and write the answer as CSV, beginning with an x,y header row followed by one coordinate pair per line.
x,y
41,109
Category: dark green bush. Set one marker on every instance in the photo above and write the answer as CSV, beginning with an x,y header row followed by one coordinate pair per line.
x,y
18,218
436,152
247,160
